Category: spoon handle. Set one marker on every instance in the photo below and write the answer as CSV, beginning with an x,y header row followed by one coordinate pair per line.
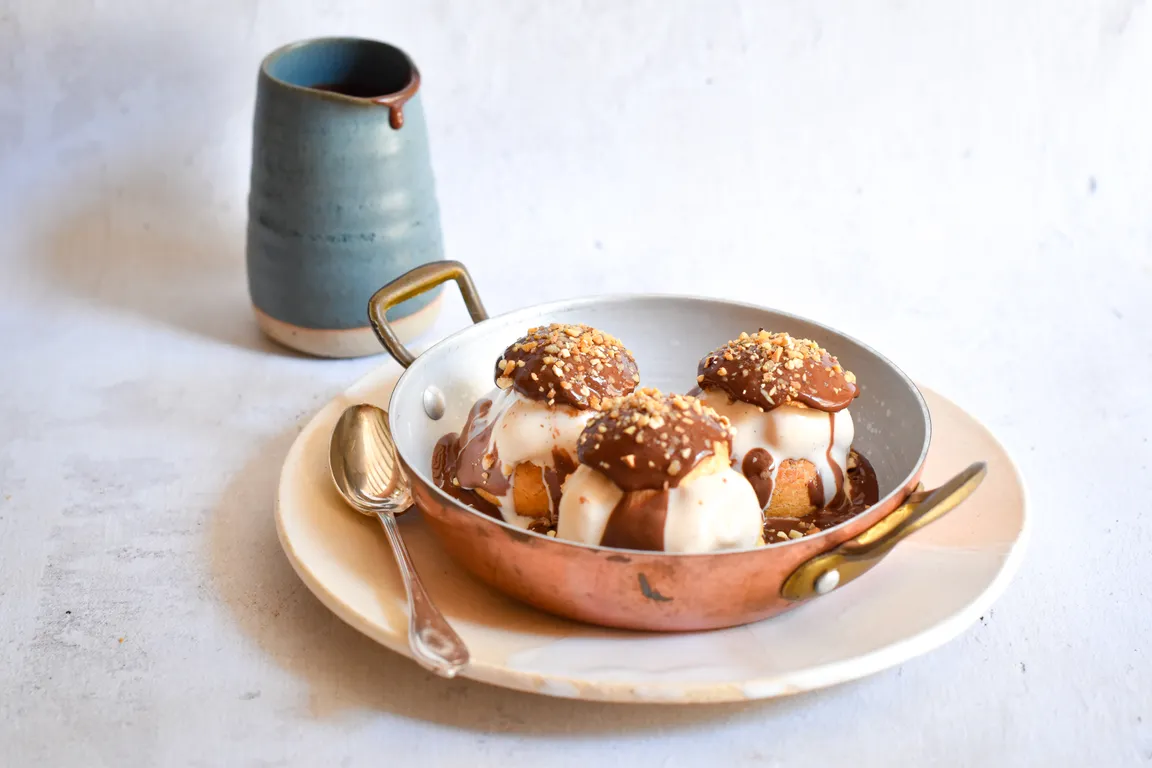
x,y
434,643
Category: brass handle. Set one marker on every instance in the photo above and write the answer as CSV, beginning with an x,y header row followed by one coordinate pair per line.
x,y
412,284
838,566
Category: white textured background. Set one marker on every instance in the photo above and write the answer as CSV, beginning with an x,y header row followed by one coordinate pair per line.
x,y
965,185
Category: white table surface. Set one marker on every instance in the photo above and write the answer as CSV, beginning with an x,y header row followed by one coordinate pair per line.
x,y
965,185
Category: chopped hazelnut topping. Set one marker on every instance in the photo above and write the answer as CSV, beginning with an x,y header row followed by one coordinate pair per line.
x,y
648,430
597,364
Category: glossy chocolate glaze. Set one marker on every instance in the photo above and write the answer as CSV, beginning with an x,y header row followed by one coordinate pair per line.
x,y
771,369
476,466
651,441
637,522
462,463
816,495
568,364
444,459
554,477
757,467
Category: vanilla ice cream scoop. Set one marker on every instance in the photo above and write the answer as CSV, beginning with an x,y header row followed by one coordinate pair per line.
x,y
765,440
788,402
655,475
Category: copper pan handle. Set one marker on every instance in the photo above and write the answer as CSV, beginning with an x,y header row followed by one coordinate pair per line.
x,y
838,566
412,284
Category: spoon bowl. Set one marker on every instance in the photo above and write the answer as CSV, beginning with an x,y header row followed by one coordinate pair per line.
x,y
365,467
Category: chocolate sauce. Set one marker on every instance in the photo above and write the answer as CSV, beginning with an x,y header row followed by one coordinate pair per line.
x,y
461,458
757,467
444,457
816,491
637,521
568,364
554,477
363,90
864,492
772,369
355,90
650,441
476,467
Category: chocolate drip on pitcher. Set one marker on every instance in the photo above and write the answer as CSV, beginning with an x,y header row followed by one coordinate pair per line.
x,y
396,101
364,90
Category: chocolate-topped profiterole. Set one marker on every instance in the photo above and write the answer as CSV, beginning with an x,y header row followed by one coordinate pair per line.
x,y
568,364
788,401
518,445
654,475
650,441
773,369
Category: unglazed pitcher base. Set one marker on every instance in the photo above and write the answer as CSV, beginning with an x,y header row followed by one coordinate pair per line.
x,y
351,342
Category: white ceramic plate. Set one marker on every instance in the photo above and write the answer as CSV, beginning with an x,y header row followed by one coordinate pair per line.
x,y
926,592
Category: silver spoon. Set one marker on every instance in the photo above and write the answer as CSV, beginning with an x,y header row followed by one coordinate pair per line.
x,y
368,474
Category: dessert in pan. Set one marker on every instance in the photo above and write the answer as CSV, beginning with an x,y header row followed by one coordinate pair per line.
x,y
787,400
760,452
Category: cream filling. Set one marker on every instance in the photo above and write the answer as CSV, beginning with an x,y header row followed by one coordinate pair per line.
x,y
527,430
706,513
789,432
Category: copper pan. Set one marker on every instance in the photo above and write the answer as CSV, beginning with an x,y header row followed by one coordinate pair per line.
x,y
646,590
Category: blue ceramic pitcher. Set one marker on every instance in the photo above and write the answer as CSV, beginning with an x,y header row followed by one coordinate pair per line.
x,y
342,198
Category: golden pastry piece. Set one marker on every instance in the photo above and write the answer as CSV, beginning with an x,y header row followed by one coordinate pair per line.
x,y
792,495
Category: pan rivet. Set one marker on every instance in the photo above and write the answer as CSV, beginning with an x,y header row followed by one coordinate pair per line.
x,y
434,403
827,581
